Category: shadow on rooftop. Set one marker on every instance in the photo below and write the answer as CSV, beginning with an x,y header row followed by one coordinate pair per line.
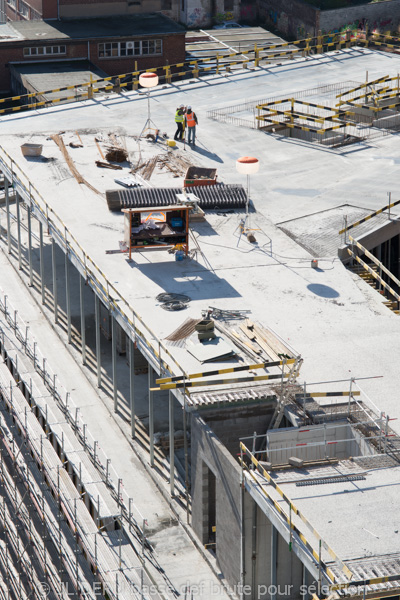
x,y
186,277
325,291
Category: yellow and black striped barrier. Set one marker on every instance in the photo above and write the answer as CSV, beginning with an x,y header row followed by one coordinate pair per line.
x,y
297,512
363,85
375,260
263,365
327,394
374,275
208,382
320,131
377,212
371,581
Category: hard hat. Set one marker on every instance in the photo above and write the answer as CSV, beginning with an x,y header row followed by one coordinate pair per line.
x,y
189,108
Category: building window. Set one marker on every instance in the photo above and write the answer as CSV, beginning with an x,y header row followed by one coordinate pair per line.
x,y
23,9
45,50
138,48
12,3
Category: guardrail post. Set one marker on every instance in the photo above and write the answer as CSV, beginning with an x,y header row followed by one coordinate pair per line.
x,y
348,38
132,384
151,414
97,327
171,444
54,264
83,318
256,56
196,69
319,42
90,89
6,192
114,359
168,76
41,261
135,81
18,207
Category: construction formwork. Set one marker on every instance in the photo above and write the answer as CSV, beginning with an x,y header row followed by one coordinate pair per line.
x,y
329,115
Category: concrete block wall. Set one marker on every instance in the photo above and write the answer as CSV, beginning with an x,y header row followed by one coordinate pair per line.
x,y
284,443
240,422
377,16
207,452
297,19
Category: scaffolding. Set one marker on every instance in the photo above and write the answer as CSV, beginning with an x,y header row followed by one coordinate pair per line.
x,y
66,524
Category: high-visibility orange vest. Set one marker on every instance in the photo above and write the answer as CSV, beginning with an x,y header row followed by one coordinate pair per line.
x,y
190,120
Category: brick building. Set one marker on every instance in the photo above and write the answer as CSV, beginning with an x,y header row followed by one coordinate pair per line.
x,y
115,45
23,10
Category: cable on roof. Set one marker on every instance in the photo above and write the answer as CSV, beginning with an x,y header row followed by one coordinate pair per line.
x,y
172,301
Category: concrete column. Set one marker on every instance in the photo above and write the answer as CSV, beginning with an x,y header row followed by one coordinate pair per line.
x,y
83,317
274,545
30,246
114,359
42,286
98,345
171,444
68,296
54,265
19,229
132,384
7,195
151,414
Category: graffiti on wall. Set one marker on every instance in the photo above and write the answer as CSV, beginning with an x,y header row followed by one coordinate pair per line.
x,y
224,16
248,12
355,27
280,20
197,17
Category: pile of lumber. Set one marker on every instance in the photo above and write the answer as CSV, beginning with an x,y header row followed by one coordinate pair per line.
x,y
257,342
172,161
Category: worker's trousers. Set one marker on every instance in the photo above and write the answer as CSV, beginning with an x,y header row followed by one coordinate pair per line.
x,y
192,134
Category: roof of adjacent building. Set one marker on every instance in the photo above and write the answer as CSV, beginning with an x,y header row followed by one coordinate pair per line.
x,y
110,27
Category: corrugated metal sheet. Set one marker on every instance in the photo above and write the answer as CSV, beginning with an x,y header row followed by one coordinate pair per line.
x,y
211,197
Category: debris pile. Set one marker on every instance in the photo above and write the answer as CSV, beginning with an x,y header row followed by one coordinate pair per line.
x,y
116,154
173,161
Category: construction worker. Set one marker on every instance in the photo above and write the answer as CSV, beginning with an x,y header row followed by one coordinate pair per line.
x,y
191,122
179,120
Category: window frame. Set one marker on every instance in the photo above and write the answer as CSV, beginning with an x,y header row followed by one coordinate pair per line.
x,y
147,47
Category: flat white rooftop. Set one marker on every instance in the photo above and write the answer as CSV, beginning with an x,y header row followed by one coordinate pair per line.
x,y
333,319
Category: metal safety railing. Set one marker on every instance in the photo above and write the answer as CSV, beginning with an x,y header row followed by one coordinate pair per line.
x,y
222,62
69,408
151,347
